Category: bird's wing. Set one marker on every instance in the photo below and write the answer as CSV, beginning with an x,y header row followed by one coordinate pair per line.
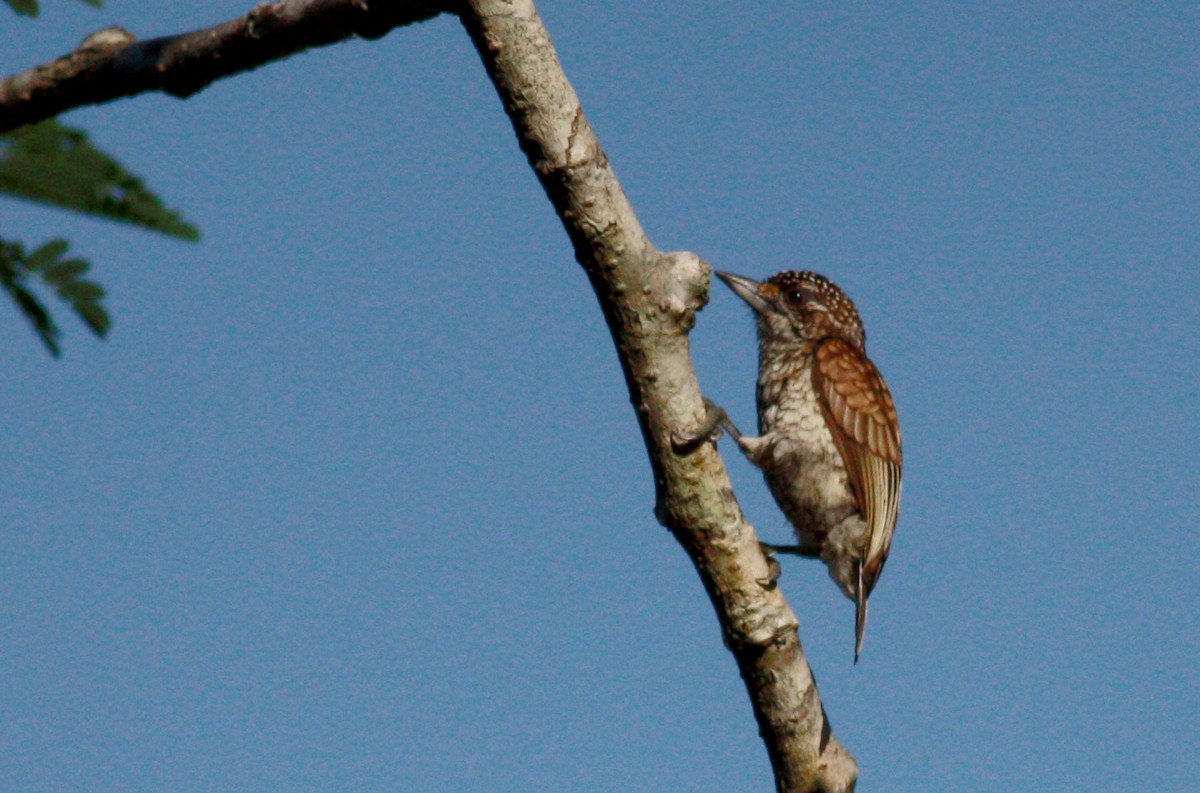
x,y
862,418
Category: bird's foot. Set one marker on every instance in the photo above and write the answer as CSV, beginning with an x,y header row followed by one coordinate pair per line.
x,y
716,421
774,570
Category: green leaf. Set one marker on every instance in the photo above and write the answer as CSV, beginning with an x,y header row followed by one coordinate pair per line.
x,y
49,253
36,313
80,291
63,272
95,316
12,281
27,8
61,275
56,165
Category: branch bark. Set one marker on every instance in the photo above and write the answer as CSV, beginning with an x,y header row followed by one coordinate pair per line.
x,y
649,299
112,63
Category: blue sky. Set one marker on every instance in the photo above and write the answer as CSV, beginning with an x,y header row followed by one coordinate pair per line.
x,y
353,498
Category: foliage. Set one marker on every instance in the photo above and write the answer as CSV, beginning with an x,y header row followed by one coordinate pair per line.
x,y
29,8
61,275
56,165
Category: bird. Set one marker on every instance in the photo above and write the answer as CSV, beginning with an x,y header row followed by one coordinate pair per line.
x,y
829,441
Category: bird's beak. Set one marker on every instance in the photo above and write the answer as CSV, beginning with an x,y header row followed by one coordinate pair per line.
x,y
753,292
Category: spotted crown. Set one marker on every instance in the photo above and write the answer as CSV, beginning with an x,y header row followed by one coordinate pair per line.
x,y
809,290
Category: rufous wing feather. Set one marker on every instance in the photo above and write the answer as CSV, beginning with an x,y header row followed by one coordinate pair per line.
x,y
862,418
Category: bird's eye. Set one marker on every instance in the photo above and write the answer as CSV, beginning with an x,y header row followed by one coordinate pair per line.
x,y
796,296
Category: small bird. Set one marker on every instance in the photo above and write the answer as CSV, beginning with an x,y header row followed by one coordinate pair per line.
x,y
829,438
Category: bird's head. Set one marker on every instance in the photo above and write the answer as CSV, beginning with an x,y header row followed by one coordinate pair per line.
x,y
799,306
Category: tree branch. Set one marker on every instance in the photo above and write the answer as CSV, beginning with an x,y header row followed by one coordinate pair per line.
x,y
112,63
650,300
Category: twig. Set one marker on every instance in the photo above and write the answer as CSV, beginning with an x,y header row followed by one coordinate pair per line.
x,y
112,63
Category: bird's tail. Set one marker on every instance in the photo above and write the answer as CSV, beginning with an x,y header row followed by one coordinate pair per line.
x,y
860,613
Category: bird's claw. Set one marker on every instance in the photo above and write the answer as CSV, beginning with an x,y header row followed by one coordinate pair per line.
x,y
716,421
774,570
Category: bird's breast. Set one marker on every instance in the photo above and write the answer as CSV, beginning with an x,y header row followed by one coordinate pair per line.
x,y
802,464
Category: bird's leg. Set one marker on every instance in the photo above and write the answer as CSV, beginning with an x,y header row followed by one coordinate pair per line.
x,y
774,571
716,421
807,551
